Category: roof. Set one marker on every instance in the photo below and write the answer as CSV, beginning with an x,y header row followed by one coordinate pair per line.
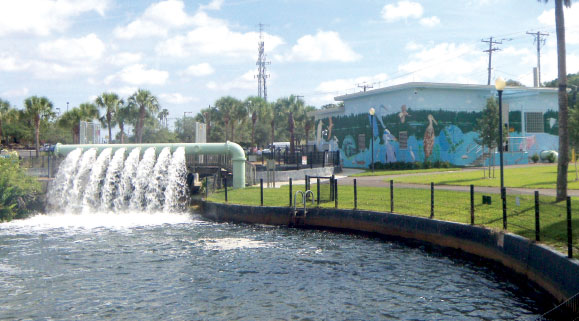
x,y
508,90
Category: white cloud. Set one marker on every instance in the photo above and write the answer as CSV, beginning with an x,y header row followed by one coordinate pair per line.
x,y
412,46
245,81
42,17
340,85
547,18
445,62
125,58
202,69
213,5
53,70
137,75
66,49
157,20
321,47
19,92
402,10
11,63
430,22
176,98
125,91
214,37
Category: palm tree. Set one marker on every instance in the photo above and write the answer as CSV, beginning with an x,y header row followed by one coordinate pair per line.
x,y
73,117
110,102
255,106
146,103
38,108
226,106
239,114
4,110
163,116
125,114
563,161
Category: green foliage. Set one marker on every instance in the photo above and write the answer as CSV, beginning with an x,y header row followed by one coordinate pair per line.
x,y
551,158
411,165
487,126
535,158
16,189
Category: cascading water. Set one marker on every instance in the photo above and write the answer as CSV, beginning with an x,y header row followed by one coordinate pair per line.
x,y
85,182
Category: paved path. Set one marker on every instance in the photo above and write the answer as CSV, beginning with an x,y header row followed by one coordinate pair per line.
x,y
382,181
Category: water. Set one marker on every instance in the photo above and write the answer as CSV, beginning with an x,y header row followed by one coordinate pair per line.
x,y
152,266
117,244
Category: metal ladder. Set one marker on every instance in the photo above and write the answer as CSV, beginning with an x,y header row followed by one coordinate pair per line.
x,y
297,217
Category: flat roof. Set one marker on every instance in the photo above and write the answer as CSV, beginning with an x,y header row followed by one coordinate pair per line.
x,y
508,90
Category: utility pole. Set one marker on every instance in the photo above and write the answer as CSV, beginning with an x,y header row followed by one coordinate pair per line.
x,y
539,41
261,66
365,86
491,43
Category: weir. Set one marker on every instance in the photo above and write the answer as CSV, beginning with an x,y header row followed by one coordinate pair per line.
x,y
232,149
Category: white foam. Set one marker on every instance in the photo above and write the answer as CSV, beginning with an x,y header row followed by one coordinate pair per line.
x,y
227,244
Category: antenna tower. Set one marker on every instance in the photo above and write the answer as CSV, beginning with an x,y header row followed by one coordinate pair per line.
x,y
261,66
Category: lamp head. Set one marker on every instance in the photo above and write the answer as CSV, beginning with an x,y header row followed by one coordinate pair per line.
x,y
372,111
500,84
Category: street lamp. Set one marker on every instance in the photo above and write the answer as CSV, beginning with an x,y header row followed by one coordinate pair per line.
x,y
500,86
372,111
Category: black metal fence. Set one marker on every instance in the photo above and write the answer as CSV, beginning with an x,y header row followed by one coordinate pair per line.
x,y
568,310
299,159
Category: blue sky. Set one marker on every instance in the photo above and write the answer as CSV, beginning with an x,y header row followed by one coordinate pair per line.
x,y
190,53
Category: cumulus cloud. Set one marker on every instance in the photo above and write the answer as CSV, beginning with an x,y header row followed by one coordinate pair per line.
x,y
17,92
66,49
125,58
547,18
138,75
202,69
402,10
176,98
157,20
245,81
11,63
322,47
340,85
42,17
430,22
213,5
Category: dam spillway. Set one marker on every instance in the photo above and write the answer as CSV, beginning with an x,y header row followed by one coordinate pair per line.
x,y
91,181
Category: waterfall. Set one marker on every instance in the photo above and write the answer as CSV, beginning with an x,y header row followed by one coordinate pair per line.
x,y
88,182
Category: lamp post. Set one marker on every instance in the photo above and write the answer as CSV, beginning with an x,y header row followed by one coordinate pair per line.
x,y
500,86
372,111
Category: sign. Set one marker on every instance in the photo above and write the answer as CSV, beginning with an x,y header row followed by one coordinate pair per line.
x,y
270,164
304,160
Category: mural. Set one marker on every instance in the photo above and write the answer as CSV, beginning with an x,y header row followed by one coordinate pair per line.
x,y
409,135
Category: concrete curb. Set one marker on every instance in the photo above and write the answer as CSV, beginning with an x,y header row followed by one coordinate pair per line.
x,y
551,270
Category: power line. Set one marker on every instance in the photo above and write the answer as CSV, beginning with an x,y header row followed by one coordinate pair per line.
x,y
365,86
491,43
539,41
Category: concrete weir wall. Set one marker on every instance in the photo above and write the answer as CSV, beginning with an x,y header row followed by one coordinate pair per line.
x,y
551,270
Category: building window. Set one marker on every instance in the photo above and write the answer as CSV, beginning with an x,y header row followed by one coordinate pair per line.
x,y
403,139
361,142
534,122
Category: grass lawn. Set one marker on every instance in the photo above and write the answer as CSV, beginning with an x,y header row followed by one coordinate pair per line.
x,y
525,177
449,205
402,172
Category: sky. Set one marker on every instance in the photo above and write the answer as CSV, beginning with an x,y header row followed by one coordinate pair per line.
x,y
191,53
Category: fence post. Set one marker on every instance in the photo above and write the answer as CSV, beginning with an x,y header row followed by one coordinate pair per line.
x,y
471,204
261,190
537,220
318,190
290,191
504,200
569,229
306,181
332,187
336,193
391,196
311,160
355,195
324,159
206,187
225,180
431,199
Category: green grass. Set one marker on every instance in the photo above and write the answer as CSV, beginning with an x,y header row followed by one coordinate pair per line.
x,y
525,177
449,206
403,172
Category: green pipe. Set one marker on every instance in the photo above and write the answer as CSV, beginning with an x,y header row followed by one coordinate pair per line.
x,y
232,149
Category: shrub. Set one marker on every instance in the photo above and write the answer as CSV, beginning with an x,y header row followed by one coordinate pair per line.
x,y
535,158
551,158
16,189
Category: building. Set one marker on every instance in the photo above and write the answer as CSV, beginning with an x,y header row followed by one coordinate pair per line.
x,y
417,122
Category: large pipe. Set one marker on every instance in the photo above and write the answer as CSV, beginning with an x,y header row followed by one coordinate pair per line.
x,y
232,149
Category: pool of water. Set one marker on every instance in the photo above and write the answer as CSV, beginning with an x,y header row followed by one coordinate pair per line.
x,y
138,266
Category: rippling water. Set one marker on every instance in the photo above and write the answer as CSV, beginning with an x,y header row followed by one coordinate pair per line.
x,y
138,266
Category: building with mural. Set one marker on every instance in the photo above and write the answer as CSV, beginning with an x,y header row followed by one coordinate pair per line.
x,y
417,122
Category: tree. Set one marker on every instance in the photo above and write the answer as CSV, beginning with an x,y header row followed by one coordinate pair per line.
x,y
239,114
226,106
185,129
125,114
110,102
146,103
563,160
38,108
487,127
574,134
255,107
163,117
72,118
4,110
514,83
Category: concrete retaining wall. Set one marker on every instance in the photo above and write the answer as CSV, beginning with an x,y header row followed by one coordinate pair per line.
x,y
284,176
551,270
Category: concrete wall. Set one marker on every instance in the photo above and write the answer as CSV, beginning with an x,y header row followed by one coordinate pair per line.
x,y
551,270
284,176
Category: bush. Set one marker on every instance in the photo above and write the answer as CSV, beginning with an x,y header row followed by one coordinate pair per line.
x,y
535,158
411,165
17,189
551,158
